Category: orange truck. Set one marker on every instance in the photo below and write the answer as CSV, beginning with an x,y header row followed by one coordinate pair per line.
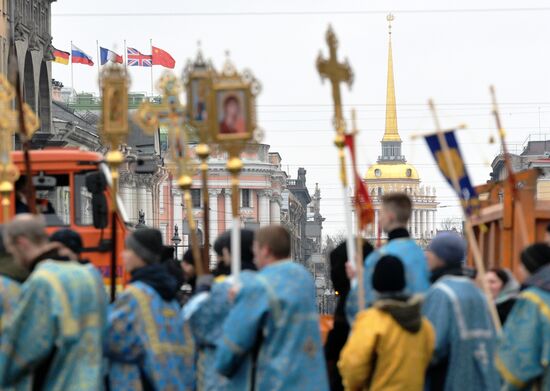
x,y
73,190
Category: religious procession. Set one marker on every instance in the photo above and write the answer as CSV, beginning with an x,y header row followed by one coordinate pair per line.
x,y
154,238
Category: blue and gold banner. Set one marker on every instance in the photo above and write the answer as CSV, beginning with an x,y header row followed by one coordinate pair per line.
x,y
467,193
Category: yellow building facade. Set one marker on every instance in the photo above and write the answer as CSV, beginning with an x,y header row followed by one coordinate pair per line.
x,y
392,173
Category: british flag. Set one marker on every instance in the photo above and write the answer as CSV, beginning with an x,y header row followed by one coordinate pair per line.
x,y
137,59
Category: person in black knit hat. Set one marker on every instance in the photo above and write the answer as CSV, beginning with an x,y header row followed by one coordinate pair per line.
x,y
149,301
337,337
70,244
391,343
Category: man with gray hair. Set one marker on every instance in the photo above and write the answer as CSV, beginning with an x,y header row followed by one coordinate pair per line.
x,y
55,335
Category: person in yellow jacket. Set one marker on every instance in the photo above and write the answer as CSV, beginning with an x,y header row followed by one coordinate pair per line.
x,y
391,344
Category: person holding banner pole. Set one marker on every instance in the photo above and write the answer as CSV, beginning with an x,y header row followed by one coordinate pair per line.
x,y
394,217
451,174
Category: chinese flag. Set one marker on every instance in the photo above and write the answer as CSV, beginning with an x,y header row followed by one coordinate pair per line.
x,y
160,57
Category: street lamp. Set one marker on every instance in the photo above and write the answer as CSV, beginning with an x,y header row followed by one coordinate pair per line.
x,y
176,240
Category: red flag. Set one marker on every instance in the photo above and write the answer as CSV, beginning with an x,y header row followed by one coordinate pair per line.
x,y
160,57
363,203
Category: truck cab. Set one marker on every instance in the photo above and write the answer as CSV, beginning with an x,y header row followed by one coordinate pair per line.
x,y
73,190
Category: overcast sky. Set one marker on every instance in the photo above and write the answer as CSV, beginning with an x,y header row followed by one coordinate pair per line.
x,y
442,51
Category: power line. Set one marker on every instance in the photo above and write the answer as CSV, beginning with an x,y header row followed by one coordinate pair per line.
x,y
299,13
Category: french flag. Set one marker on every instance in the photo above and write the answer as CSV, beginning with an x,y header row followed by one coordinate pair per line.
x,y
108,55
79,57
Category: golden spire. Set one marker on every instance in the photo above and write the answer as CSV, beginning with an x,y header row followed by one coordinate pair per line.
x,y
391,133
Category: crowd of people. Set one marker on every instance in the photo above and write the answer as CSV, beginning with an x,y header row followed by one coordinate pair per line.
x,y
425,325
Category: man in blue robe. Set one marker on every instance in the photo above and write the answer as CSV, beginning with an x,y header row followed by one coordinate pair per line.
x,y
211,309
148,345
274,318
465,335
11,277
394,217
524,350
55,334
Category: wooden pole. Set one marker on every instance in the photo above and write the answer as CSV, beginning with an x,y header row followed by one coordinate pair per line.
x,y
195,246
25,138
511,177
359,238
203,151
234,166
467,223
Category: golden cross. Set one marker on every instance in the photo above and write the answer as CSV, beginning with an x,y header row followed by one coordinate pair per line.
x,y
337,73
170,113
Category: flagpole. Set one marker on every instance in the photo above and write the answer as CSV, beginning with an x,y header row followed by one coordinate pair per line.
x,y
125,56
98,58
358,218
72,76
467,223
152,88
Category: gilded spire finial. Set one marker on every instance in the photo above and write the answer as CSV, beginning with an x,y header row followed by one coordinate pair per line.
x,y
391,133
390,19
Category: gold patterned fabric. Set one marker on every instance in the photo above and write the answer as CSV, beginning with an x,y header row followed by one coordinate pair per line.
x,y
56,328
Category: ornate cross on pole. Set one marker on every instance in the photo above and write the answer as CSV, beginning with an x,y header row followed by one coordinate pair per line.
x,y
339,73
171,114
336,73
114,83
9,124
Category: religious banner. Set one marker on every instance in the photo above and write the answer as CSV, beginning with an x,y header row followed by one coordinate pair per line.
x,y
233,125
467,194
198,78
363,203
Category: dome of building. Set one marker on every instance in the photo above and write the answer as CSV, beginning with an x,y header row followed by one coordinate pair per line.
x,y
392,171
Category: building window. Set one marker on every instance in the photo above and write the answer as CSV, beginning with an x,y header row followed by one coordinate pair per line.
x,y
196,198
377,172
380,192
245,198
409,172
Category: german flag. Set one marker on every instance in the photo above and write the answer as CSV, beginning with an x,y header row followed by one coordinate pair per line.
x,y
61,56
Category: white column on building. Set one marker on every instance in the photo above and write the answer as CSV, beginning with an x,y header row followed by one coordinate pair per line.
x,y
213,231
416,223
428,224
420,223
228,213
264,207
431,222
376,217
275,210
413,220
425,223
434,221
